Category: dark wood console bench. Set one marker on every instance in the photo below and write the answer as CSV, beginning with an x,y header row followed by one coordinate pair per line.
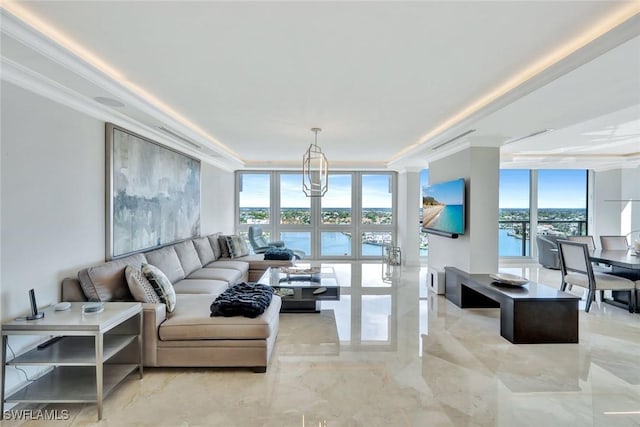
x,y
529,314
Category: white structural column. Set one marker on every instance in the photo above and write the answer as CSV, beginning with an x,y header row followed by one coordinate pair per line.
x,y
409,215
606,214
630,208
476,251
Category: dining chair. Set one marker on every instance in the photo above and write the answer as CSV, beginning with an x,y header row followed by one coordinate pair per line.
x,y
591,243
576,270
614,243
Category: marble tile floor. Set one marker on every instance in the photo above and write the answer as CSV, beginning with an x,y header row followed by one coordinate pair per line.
x,y
394,354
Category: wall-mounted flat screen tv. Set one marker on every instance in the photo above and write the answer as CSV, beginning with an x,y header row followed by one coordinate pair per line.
x,y
443,208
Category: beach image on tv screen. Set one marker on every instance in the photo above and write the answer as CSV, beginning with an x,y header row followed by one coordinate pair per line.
x,y
443,206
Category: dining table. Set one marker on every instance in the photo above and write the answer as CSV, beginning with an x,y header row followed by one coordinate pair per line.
x,y
625,263
623,259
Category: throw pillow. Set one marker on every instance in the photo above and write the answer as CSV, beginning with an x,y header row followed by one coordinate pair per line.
x,y
237,246
161,284
140,287
222,244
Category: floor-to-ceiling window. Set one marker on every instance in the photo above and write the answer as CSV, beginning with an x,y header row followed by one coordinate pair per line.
x,y
545,201
295,226
562,202
357,204
336,229
377,216
514,212
254,201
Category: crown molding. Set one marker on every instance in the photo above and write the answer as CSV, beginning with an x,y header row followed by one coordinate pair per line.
x,y
30,37
34,82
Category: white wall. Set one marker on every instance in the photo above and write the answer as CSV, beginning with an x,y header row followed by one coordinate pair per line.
x,y
606,214
53,200
613,212
630,189
477,250
52,197
217,200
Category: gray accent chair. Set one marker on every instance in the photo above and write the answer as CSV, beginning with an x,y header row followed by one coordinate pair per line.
x,y
259,243
548,251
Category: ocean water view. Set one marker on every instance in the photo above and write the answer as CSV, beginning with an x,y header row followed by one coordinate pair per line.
x,y
507,245
567,221
333,243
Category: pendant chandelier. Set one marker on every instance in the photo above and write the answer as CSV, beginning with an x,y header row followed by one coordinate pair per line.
x,y
315,170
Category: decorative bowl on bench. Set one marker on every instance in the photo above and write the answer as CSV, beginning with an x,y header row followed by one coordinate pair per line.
x,y
508,279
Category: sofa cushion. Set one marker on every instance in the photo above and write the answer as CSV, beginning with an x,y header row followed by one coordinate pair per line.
x,y
241,266
205,252
201,286
107,282
214,240
166,259
140,287
188,256
228,275
161,284
191,320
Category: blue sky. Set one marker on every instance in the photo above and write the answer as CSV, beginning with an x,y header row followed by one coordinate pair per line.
x,y
375,192
556,189
564,188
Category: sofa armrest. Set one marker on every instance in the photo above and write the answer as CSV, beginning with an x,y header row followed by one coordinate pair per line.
x,y
152,316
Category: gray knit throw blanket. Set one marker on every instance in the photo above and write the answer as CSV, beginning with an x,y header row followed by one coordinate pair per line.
x,y
243,299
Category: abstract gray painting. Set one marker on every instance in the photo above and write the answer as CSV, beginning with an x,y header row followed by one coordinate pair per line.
x,y
154,193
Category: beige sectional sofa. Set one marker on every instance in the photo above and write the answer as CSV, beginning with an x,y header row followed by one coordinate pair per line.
x,y
188,336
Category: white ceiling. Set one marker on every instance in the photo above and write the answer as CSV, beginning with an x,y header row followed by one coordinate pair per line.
x,y
248,80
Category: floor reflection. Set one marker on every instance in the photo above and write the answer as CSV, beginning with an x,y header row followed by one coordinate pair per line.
x,y
366,314
397,354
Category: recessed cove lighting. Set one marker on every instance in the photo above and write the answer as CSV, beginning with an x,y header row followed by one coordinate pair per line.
x,y
110,102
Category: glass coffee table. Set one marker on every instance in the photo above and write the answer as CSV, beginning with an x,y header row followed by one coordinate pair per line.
x,y
302,290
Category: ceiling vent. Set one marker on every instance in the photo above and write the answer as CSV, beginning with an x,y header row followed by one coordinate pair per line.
x,y
536,133
455,138
109,102
180,137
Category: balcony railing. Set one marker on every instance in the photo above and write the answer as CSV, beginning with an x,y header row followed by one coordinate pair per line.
x,y
521,230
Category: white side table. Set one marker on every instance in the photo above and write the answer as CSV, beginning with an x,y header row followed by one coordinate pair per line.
x,y
80,359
